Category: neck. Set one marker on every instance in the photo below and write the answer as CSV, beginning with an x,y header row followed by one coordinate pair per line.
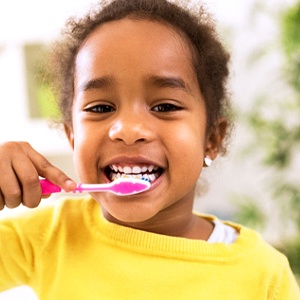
x,y
177,221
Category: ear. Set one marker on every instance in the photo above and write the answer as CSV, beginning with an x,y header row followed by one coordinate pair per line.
x,y
70,135
215,138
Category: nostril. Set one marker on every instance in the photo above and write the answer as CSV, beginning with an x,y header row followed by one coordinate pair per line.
x,y
141,140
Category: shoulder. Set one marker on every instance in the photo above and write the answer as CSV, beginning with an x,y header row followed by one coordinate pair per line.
x,y
48,228
251,246
46,217
257,245
266,264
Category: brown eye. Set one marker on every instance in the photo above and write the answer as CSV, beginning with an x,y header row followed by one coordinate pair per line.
x,y
166,107
100,109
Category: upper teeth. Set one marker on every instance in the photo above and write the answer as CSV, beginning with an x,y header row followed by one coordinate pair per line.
x,y
134,169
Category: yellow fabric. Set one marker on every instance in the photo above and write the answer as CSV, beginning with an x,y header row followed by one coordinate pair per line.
x,y
69,251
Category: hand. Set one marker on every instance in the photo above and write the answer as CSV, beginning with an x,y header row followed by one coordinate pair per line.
x,y
20,168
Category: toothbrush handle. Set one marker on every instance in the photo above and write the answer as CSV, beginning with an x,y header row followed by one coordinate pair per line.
x,y
86,187
49,187
118,187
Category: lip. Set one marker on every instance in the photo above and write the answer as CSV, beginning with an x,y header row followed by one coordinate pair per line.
x,y
131,161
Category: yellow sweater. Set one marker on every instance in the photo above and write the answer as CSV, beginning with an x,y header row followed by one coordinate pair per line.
x,y
69,251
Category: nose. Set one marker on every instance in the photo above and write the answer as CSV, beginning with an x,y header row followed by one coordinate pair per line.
x,y
131,129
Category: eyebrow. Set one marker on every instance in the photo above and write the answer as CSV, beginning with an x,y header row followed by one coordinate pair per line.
x,y
97,83
169,82
153,80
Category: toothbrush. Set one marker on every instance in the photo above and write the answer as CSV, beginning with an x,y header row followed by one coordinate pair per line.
x,y
120,187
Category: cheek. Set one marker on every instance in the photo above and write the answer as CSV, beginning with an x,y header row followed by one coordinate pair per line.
x,y
185,159
190,153
84,153
189,150
190,139
81,159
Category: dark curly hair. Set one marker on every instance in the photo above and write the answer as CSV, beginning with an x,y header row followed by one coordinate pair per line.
x,y
210,59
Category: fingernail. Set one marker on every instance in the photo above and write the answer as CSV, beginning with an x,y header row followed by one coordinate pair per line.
x,y
70,183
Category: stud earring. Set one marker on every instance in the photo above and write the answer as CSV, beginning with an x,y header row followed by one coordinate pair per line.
x,y
207,161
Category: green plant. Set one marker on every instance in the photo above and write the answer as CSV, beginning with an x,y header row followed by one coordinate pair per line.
x,y
275,122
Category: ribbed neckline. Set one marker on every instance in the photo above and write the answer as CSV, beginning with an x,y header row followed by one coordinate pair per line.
x,y
167,246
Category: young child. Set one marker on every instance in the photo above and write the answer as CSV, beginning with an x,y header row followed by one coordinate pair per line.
x,y
142,91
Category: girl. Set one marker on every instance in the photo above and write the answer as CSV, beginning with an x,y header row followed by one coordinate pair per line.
x,y
142,92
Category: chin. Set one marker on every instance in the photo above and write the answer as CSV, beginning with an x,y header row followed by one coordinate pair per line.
x,y
129,216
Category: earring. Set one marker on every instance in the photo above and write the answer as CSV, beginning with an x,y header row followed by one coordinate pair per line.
x,y
207,161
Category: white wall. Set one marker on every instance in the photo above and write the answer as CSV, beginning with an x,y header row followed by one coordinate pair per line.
x,y
23,22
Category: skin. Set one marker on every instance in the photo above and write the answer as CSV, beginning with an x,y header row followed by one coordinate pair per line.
x,y
136,102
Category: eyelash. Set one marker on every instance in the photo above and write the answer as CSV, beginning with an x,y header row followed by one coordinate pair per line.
x,y
160,108
100,109
166,107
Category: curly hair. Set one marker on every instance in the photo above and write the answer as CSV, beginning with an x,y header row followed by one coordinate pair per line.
x,y
209,57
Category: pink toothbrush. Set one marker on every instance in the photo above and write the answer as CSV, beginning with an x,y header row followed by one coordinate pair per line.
x,y
121,187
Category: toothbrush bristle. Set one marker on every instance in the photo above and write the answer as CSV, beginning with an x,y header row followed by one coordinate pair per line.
x,y
129,186
146,179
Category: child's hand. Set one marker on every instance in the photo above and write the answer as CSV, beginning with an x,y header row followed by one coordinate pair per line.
x,y
20,168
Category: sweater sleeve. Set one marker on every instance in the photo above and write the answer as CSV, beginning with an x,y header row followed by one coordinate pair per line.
x,y
288,288
16,257
20,240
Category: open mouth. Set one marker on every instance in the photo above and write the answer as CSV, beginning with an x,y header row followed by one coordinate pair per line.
x,y
145,172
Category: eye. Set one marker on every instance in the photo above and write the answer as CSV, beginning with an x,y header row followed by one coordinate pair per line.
x,y
166,107
103,108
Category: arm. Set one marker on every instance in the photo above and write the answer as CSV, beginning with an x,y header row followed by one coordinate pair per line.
x,y
23,238
20,168
288,288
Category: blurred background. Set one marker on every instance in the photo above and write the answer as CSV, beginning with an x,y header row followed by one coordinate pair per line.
x,y
257,182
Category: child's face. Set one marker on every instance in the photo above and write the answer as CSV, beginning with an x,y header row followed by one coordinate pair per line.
x,y
137,104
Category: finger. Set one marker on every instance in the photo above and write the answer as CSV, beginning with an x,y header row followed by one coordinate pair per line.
x,y
11,191
12,196
1,201
45,196
52,173
19,180
29,182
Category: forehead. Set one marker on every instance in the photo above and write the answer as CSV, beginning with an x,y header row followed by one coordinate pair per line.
x,y
131,29
144,43
131,51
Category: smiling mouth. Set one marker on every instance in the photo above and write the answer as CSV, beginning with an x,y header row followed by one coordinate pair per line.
x,y
145,172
